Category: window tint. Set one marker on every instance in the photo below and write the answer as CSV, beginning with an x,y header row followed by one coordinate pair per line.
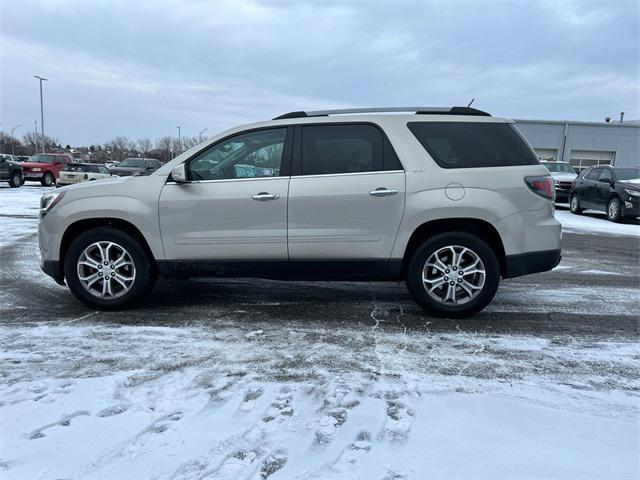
x,y
593,174
329,149
473,144
248,155
605,176
102,169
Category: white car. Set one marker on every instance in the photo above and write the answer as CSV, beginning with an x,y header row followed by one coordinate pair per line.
x,y
563,176
450,200
82,172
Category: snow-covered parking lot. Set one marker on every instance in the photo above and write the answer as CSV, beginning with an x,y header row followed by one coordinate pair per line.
x,y
256,379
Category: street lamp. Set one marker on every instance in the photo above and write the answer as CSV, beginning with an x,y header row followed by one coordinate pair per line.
x,y
200,134
179,141
41,79
13,142
35,138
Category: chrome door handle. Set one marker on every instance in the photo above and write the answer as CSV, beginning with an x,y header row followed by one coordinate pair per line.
x,y
263,196
382,192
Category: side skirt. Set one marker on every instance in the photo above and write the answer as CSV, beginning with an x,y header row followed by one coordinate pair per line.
x,y
336,270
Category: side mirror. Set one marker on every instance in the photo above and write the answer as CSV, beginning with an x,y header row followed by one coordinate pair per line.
x,y
179,173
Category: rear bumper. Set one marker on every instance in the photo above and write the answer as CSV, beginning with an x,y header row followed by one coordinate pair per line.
x,y
531,262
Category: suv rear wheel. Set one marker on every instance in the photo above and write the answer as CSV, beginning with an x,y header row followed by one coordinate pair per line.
x,y
108,269
16,180
47,179
574,205
453,275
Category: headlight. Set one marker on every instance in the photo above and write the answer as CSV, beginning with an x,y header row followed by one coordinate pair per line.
x,y
632,193
48,201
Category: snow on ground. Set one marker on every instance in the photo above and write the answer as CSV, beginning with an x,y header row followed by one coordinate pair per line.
x,y
236,391
594,222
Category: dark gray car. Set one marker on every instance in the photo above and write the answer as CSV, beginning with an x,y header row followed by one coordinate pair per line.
x,y
133,166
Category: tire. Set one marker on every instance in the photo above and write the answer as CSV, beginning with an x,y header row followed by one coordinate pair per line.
x,y
476,249
614,210
574,205
47,179
16,180
141,270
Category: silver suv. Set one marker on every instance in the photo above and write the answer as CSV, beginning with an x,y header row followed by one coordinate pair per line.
x,y
448,199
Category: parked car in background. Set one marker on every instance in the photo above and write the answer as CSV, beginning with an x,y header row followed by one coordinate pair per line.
x,y
450,200
22,158
563,176
615,191
111,165
10,170
134,166
45,167
82,172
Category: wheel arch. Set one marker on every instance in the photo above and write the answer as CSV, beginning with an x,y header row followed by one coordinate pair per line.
x,y
474,226
81,226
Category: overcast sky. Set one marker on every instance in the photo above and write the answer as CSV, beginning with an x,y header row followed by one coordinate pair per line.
x,y
140,68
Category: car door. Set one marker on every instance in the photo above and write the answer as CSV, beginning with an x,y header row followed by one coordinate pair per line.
x,y
602,190
346,196
234,204
4,168
586,187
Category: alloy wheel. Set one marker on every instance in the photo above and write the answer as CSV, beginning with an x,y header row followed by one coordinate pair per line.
x,y
453,275
106,270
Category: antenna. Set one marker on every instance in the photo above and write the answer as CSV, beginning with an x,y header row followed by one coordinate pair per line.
x,y
471,102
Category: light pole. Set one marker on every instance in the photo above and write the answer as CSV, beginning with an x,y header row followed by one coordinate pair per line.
x,y
35,138
41,79
200,134
179,141
13,142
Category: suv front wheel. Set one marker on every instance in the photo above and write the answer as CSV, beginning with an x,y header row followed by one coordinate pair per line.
x,y
108,269
453,275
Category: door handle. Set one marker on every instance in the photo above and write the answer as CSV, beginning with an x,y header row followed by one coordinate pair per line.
x,y
263,196
382,192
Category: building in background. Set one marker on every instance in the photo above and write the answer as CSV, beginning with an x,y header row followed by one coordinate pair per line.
x,y
584,144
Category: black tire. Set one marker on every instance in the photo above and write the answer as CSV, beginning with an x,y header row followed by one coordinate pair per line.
x,y
436,308
16,180
145,276
574,205
614,210
47,179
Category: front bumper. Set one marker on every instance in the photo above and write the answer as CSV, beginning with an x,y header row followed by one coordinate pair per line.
x,y
53,268
631,207
531,262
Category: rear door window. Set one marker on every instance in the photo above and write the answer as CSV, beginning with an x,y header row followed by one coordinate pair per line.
x,y
593,174
331,149
473,144
605,176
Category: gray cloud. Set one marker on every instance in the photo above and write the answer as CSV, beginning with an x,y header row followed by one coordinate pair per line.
x,y
141,68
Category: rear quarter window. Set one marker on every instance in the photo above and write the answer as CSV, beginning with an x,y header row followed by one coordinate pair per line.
x,y
473,144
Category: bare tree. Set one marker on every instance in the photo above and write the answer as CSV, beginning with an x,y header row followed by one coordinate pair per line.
x,y
35,142
164,146
189,142
145,146
119,147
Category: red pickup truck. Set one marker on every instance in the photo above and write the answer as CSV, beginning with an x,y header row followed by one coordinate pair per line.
x,y
45,167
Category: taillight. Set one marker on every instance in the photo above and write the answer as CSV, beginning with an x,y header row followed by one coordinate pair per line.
x,y
543,186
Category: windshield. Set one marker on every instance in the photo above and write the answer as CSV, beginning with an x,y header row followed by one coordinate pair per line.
x,y
628,173
132,162
42,159
559,167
